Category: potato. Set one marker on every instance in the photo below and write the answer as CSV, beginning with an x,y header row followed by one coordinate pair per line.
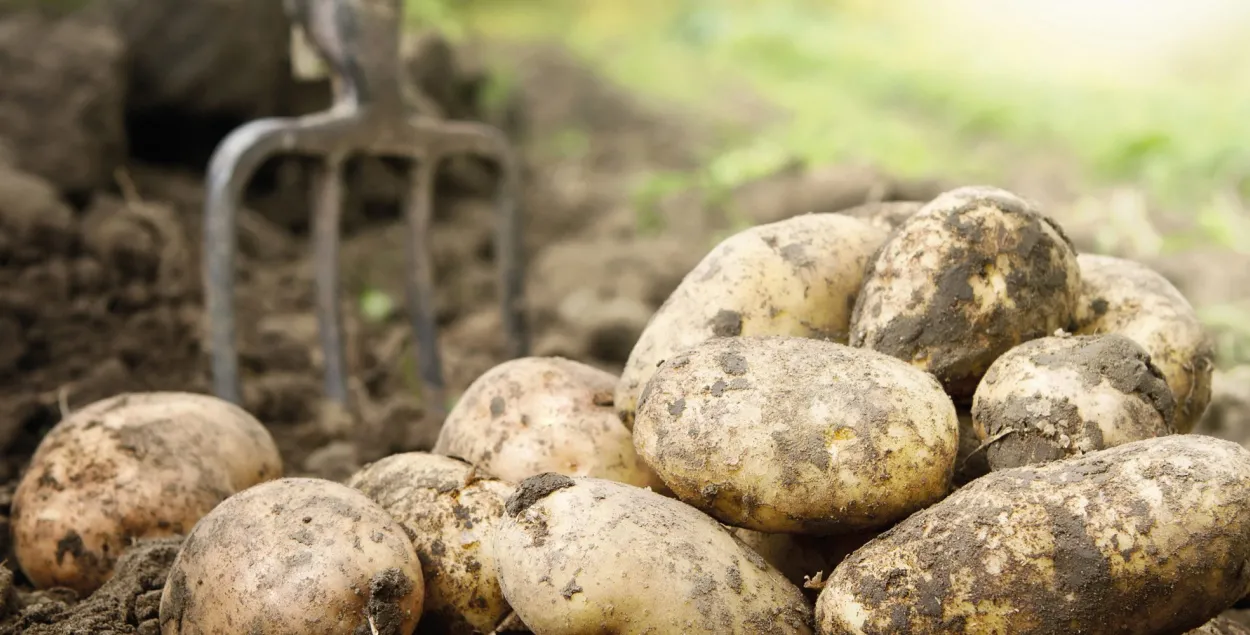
x,y
543,414
887,215
136,465
795,277
294,556
1222,625
1128,298
795,435
975,272
450,512
1056,397
586,555
1151,536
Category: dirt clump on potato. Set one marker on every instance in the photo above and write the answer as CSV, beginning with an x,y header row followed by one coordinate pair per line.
x,y
796,435
450,513
796,277
1056,397
132,466
1146,537
295,555
1126,297
975,272
543,414
581,555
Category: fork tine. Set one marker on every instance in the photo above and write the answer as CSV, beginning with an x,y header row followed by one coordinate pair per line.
x,y
327,217
419,285
486,141
231,167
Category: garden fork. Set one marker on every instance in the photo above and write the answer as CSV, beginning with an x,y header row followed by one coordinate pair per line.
x,y
374,112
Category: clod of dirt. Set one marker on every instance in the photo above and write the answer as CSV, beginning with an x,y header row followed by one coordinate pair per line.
x,y
127,604
534,489
62,102
225,56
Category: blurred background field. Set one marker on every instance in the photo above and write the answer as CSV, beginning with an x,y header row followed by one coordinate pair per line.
x,y
1130,116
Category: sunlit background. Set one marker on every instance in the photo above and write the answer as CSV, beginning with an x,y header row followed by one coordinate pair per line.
x,y
1130,115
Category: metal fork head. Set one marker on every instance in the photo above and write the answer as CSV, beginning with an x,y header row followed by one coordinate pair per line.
x,y
371,115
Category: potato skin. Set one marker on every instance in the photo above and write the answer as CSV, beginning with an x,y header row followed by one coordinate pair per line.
x,y
543,414
585,555
450,512
136,465
1056,397
1146,537
1126,297
799,277
1222,625
290,557
795,435
975,272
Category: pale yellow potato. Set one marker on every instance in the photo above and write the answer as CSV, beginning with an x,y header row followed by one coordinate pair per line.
x,y
450,512
1056,397
975,272
136,465
1222,625
1126,297
291,557
585,555
796,435
1146,537
798,277
543,414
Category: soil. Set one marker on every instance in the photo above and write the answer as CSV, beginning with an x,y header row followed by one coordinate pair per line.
x,y
101,190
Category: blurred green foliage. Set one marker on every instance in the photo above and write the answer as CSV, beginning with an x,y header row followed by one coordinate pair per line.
x,y
877,83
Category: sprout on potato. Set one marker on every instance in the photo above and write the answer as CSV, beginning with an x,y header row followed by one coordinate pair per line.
x,y
1057,397
586,555
975,272
136,465
450,513
543,414
796,435
794,277
1145,537
1128,298
294,556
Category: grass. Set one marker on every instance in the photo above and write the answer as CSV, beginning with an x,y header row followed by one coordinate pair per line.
x,y
920,89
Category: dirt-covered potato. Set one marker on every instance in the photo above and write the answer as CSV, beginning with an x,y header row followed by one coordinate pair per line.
x,y
795,277
450,512
1146,537
136,465
290,557
975,272
796,435
801,558
543,414
887,215
1062,396
1126,297
585,555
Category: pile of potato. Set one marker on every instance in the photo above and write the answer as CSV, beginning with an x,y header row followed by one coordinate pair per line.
x,y
780,455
